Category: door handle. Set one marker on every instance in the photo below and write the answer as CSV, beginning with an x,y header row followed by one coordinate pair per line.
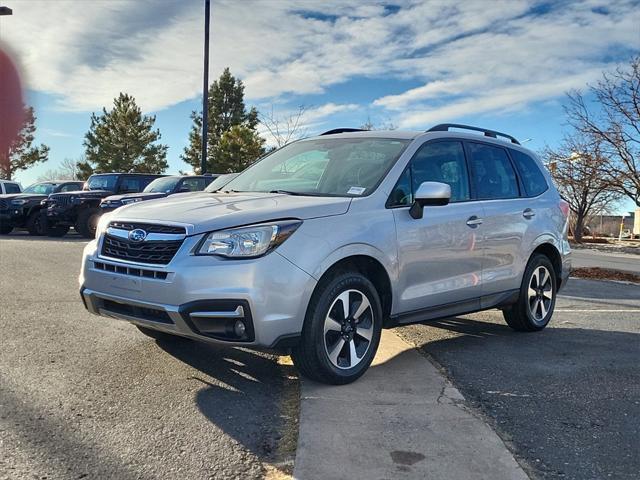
x,y
473,221
528,213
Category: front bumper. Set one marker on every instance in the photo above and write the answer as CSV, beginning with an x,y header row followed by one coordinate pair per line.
x,y
197,296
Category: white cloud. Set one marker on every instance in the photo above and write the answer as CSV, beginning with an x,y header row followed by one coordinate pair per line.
x,y
471,57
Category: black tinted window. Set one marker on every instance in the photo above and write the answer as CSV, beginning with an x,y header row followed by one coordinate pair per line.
x,y
132,184
442,162
11,188
493,175
532,177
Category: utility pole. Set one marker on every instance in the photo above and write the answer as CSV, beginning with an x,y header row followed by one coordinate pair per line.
x,y
205,89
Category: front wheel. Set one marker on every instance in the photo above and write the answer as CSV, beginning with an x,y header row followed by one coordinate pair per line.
x,y
87,222
537,299
36,223
341,331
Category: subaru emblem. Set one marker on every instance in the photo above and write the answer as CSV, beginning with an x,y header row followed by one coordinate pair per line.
x,y
138,235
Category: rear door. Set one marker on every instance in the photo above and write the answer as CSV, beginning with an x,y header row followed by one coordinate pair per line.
x,y
498,189
440,254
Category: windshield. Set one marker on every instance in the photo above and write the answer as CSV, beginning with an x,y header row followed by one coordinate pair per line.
x,y
324,167
40,188
102,182
220,182
162,185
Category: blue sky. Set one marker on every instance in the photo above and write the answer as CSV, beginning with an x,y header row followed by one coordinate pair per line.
x,y
502,65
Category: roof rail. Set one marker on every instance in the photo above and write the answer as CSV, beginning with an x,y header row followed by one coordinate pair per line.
x,y
343,130
444,127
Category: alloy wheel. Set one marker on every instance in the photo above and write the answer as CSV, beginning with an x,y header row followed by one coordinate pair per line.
x,y
540,293
348,329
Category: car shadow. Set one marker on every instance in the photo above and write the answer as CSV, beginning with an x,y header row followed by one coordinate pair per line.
x,y
564,398
24,236
244,394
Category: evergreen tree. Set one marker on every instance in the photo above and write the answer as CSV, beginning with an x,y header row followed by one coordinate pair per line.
x,y
22,153
123,140
238,148
226,110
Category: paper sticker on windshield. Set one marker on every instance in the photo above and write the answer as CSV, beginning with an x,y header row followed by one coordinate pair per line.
x,y
356,191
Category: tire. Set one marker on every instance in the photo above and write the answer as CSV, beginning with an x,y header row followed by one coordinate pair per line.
x,y
36,223
87,222
158,335
56,231
5,229
534,309
326,330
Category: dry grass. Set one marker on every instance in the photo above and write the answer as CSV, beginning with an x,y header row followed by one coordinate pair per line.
x,y
597,273
282,466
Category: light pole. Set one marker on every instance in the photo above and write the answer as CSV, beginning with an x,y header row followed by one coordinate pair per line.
x,y
205,89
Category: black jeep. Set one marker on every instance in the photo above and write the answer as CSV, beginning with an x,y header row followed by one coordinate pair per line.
x,y
81,209
25,210
159,188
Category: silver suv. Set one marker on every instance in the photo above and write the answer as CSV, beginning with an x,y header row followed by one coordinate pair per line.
x,y
324,242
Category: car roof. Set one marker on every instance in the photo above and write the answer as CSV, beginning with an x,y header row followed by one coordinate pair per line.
x,y
392,134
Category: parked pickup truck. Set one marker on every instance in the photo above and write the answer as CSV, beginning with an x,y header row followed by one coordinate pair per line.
x,y
81,209
159,188
24,210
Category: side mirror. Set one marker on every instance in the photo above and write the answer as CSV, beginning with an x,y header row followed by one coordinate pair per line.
x,y
429,194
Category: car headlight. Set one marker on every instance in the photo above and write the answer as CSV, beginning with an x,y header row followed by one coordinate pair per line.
x,y
127,201
103,223
18,202
247,242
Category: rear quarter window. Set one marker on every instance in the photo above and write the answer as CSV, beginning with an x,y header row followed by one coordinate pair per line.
x,y
532,178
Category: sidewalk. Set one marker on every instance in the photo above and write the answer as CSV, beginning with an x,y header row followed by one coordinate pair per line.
x,y
402,419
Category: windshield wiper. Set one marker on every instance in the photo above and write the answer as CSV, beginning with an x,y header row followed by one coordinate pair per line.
x,y
287,192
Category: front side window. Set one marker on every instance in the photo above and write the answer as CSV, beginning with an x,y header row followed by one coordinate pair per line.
x,y
194,184
323,167
434,162
492,173
71,187
532,177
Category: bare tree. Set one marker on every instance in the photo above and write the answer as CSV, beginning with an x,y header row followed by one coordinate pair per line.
x,y
369,125
614,124
285,129
68,170
578,167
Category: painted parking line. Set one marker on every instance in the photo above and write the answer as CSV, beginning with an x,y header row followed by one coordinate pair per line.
x,y
600,310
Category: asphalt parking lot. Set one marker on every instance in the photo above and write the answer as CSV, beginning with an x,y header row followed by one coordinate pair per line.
x,y
82,396
565,400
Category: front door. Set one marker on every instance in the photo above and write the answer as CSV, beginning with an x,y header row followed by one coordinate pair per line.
x,y
440,255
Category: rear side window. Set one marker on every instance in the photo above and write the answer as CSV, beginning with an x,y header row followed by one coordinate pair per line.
x,y
493,175
532,177
11,188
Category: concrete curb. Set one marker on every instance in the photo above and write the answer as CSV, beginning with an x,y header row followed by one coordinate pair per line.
x,y
402,419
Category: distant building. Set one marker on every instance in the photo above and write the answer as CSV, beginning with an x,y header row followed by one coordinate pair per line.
x,y
609,225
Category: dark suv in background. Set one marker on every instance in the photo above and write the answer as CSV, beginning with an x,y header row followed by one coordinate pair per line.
x,y
81,209
159,188
24,210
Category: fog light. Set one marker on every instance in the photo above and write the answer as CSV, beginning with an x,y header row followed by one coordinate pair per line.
x,y
239,328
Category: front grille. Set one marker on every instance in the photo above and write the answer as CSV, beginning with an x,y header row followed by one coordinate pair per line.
x,y
159,252
4,204
59,200
148,227
143,313
136,272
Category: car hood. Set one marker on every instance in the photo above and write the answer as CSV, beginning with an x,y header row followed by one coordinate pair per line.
x,y
144,195
26,196
203,212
